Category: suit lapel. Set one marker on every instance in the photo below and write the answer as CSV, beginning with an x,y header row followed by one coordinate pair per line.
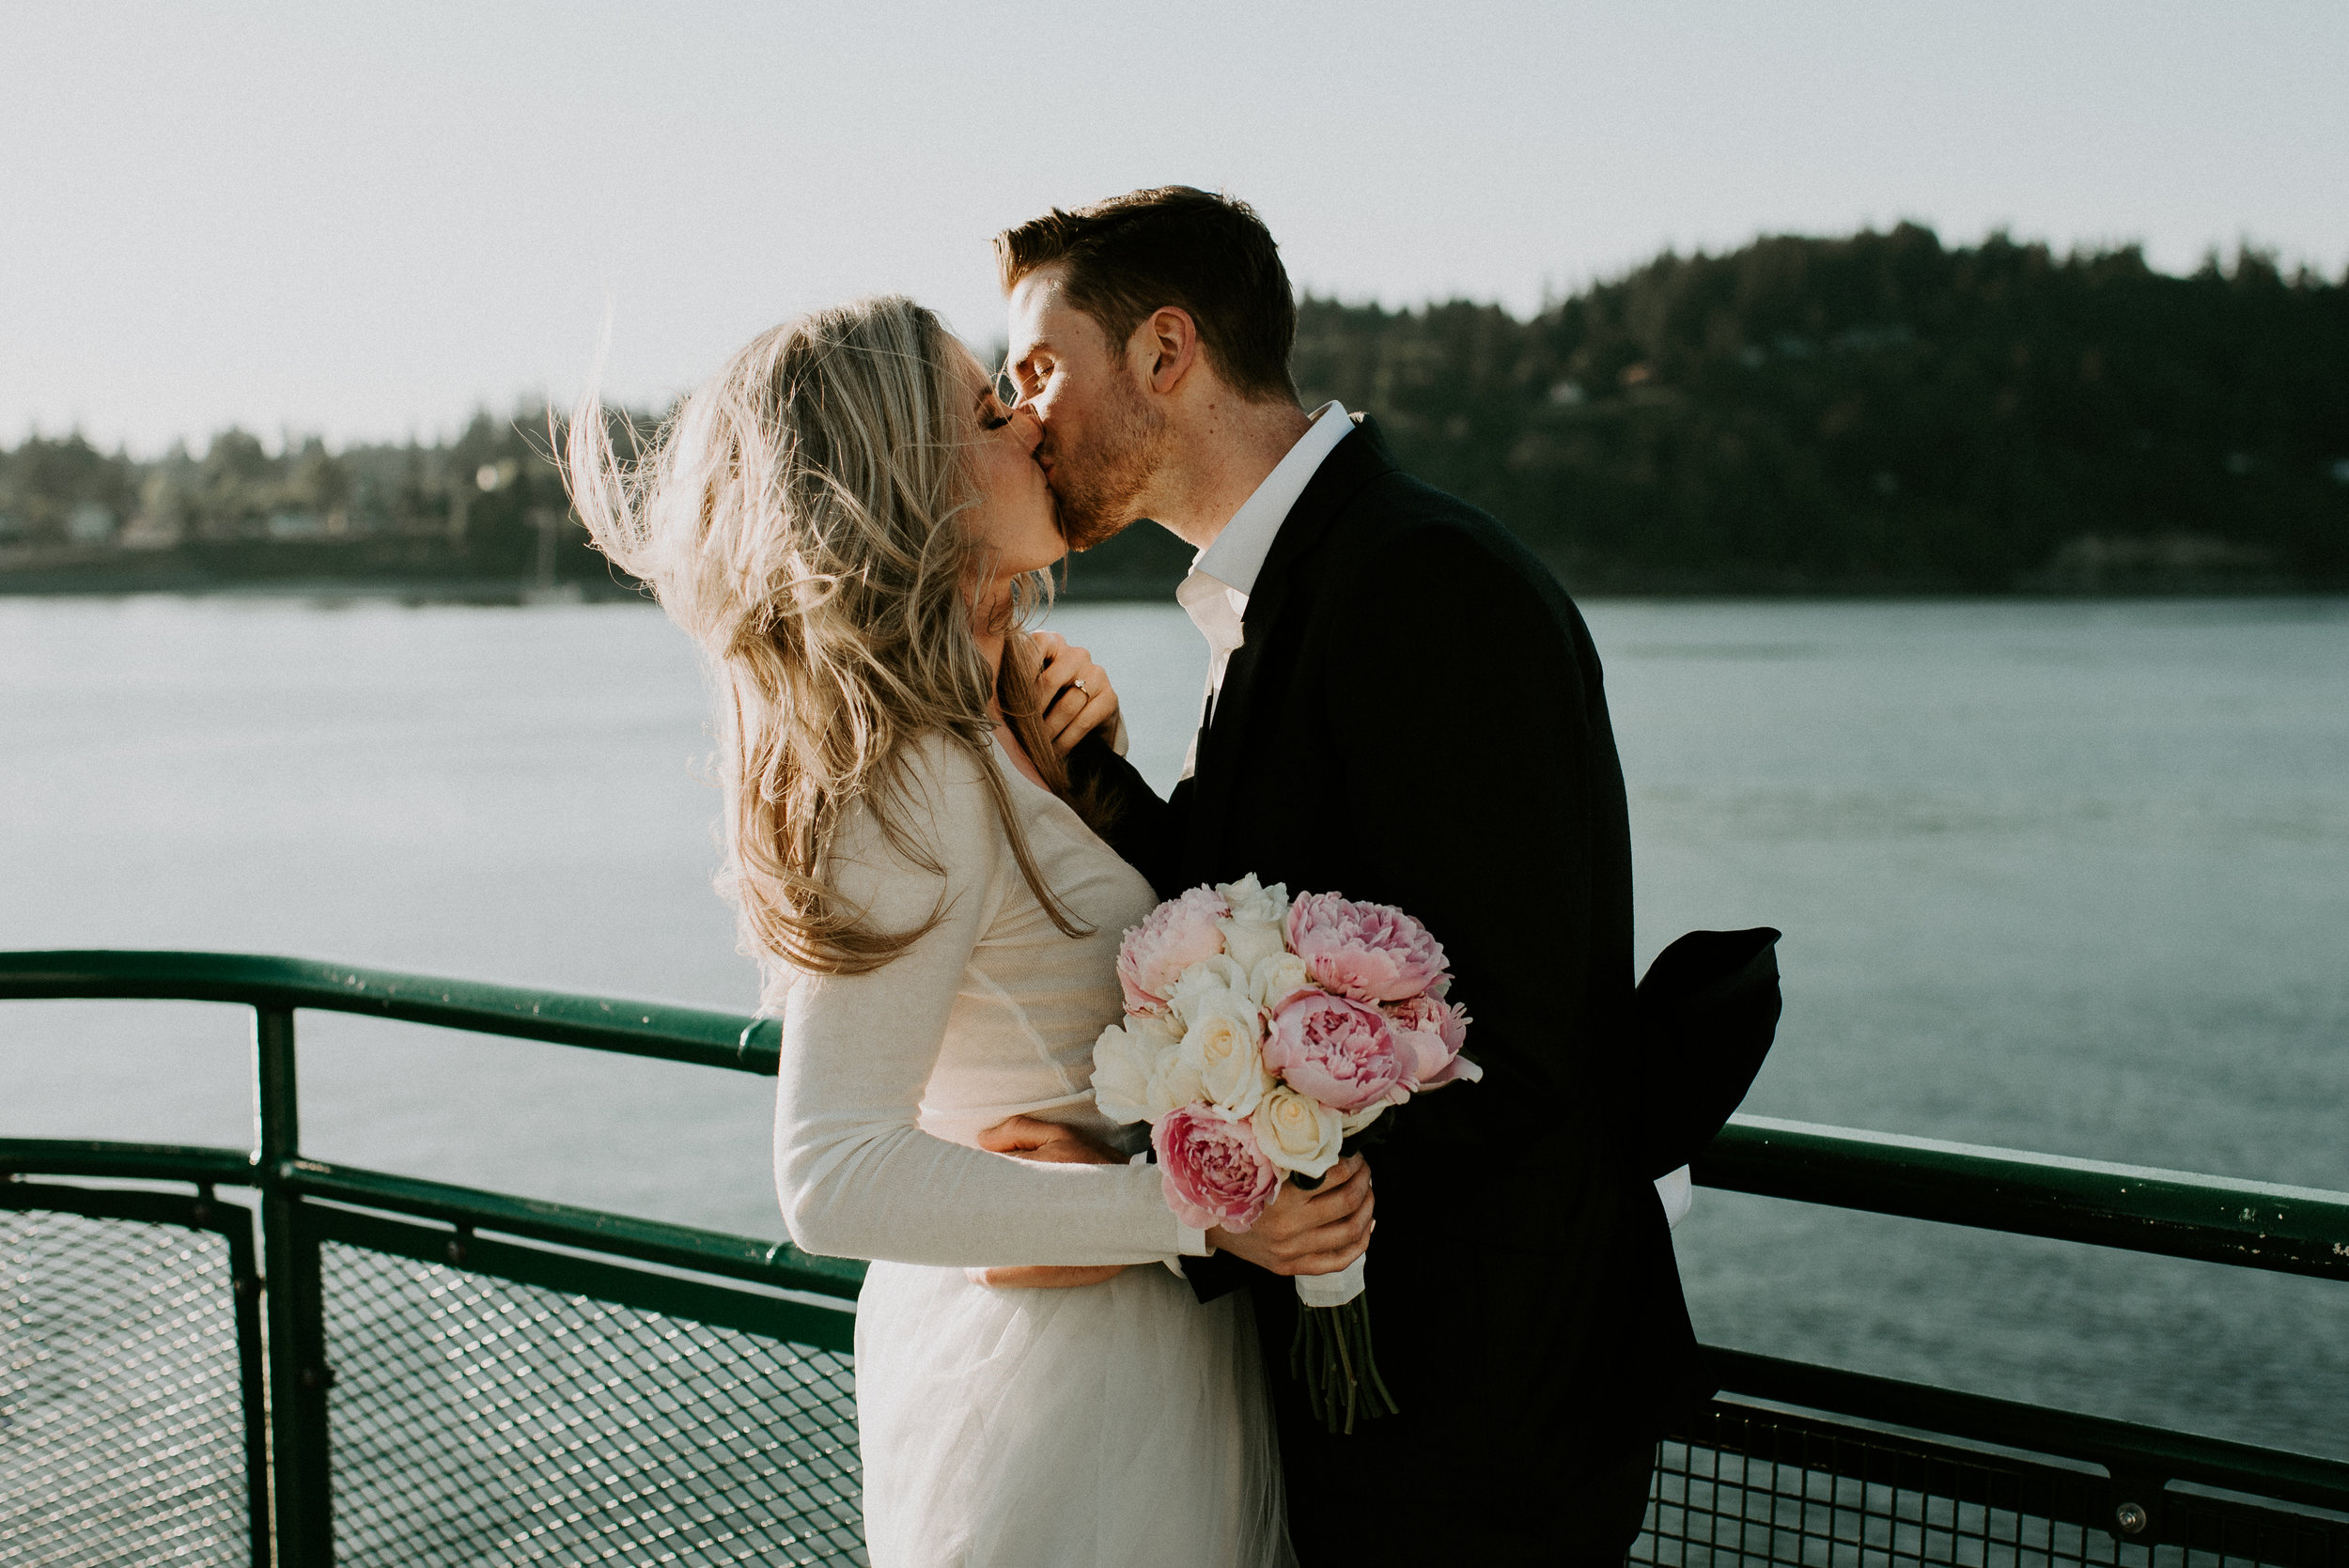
x,y
1353,463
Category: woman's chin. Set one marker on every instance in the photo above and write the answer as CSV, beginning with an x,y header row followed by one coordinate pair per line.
x,y
1058,546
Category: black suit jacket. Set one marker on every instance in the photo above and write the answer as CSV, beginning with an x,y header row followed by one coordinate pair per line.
x,y
1417,718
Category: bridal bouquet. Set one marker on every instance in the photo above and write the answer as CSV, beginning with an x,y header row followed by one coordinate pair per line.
x,y
1260,1038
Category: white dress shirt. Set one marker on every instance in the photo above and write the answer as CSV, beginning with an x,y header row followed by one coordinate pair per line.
x,y
1215,594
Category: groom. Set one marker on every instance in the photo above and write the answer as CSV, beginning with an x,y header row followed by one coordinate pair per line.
x,y
1404,706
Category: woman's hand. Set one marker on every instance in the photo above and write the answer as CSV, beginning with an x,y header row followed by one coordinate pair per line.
x,y
1072,692
1029,1138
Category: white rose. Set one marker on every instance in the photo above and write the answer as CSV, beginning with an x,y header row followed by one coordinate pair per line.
x,y
1251,943
1161,1035
1202,981
1173,1081
1222,1047
1275,979
1124,1063
1254,903
1297,1132
1138,1071
1354,1121
1176,1083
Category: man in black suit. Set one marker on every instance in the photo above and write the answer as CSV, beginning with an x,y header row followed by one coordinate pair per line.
x,y
1404,706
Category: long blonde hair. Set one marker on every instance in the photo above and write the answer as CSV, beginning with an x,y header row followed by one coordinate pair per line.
x,y
796,515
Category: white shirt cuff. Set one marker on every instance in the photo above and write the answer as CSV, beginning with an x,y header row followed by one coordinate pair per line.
x,y
1190,1241
1678,1194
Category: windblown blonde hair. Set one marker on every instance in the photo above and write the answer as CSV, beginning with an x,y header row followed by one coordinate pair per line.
x,y
796,515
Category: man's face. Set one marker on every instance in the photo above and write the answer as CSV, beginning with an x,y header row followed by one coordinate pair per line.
x,y
1103,439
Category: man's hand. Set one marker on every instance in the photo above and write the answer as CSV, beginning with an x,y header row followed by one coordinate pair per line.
x,y
1301,1232
1029,1138
1033,1138
1072,692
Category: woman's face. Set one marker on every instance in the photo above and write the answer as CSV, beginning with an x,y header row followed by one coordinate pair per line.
x,y
1014,526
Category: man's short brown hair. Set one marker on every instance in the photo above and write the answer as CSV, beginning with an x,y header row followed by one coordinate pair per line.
x,y
1208,255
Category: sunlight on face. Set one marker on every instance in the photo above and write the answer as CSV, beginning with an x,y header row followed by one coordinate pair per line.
x,y
1015,524
1102,439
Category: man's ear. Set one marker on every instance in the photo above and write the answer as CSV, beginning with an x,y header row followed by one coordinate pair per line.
x,y
1164,347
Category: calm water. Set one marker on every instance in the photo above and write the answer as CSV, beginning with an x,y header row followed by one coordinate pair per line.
x,y
2070,878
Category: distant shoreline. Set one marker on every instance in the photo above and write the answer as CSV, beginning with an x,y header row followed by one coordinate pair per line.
x,y
1143,566
491,595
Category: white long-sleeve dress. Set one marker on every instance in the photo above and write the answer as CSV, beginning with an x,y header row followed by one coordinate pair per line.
x,y
1120,1423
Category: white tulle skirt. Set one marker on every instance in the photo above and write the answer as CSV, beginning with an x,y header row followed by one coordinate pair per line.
x,y
1118,1424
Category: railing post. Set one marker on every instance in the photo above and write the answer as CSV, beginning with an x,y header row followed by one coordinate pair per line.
x,y
300,1496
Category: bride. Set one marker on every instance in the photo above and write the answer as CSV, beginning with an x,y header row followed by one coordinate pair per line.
x,y
853,527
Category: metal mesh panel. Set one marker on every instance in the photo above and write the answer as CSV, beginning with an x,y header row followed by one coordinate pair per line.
x,y
121,1410
1747,1488
478,1420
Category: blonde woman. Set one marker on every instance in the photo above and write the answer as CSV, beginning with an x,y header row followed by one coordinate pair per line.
x,y
851,525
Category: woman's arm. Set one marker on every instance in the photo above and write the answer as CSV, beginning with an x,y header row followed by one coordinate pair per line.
x,y
855,1176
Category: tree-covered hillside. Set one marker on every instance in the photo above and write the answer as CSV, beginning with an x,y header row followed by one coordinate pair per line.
x,y
484,512
1881,411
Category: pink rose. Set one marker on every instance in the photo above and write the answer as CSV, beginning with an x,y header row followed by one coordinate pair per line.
x,y
1177,934
1429,1034
1369,952
1212,1168
1337,1051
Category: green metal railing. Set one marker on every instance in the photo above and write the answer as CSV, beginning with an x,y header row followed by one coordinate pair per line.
x,y
417,1372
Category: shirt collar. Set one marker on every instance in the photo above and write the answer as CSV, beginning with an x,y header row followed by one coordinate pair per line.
x,y
1238,554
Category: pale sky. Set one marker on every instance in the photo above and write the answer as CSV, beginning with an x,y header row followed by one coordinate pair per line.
x,y
365,219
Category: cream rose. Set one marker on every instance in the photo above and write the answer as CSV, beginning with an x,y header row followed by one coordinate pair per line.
x,y
1138,1074
1276,979
1297,1132
1252,901
1176,1083
1221,1046
1249,943
1356,1121
1252,931
1122,1063
1202,982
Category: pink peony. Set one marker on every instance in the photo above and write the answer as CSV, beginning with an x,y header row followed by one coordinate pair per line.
x,y
1429,1034
1369,952
1337,1051
1177,934
1212,1167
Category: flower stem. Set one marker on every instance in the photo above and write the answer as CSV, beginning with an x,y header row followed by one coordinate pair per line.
x,y
1331,1354
1346,1359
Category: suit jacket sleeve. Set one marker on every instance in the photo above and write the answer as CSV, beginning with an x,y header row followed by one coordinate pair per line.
x,y
1474,761
1118,802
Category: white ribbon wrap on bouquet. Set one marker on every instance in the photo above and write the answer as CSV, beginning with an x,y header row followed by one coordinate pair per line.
x,y
1332,1290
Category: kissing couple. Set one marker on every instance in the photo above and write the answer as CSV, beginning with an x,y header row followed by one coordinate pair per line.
x,y
936,847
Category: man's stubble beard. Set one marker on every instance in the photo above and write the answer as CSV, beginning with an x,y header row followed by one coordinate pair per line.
x,y
1100,493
